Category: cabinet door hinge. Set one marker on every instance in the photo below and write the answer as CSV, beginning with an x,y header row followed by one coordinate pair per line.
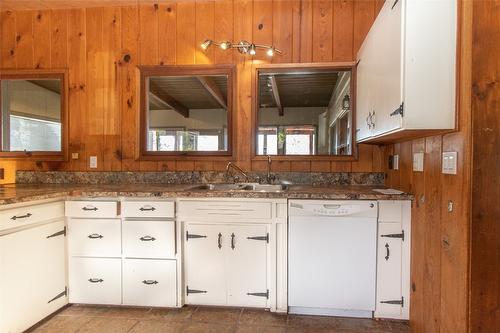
x,y
262,238
401,235
399,302
59,233
266,294
61,294
394,4
188,236
399,110
194,291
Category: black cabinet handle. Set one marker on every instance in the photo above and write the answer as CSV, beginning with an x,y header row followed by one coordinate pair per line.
x,y
96,280
147,209
95,236
387,251
15,217
147,239
89,208
219,241
232,241
150,282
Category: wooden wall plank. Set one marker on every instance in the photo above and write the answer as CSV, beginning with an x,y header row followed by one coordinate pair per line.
x,y
343,30
24,39
59,38
148,32
282,30
303,41
363,20
8,34
262,27
365,159
186,35
205,29
167,20
322,30
223,30
41,44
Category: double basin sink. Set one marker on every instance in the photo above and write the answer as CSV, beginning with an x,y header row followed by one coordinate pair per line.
x,y
241,187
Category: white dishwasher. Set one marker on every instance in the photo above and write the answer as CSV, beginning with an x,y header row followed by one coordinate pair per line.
x,y
332,253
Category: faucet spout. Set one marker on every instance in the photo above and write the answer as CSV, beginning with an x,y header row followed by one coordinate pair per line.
x,y
237,168
269,162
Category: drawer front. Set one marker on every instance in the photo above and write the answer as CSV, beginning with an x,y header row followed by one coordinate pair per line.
x,y
389,211
149,282
94,237
92,209
21,216
251,210
145,209
95,280
148,239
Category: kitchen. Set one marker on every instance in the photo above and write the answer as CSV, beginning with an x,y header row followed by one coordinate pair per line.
x,y
248,166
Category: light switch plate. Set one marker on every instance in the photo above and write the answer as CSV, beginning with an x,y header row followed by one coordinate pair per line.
x,y
449,163
93,162
418,162
395,162
74,156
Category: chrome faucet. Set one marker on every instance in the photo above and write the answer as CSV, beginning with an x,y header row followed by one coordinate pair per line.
x,y
268,176
237,168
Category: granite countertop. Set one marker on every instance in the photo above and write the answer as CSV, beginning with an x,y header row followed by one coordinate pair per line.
x,y
16,193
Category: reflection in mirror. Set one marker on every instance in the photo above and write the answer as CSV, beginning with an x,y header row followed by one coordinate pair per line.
x,y
306,112
31,115
187,113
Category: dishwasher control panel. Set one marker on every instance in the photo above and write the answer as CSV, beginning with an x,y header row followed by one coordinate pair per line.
x,y
333,208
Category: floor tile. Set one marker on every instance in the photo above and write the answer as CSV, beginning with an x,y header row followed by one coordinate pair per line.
x,y
177,315
155,326
208,328
62,324
107,325
312,321
82,310
124,312
217,315
260,329
261,317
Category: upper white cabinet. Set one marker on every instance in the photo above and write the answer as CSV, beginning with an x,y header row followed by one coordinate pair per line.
x,y
406,71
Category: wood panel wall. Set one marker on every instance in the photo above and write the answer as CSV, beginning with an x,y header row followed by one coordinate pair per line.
x,y
440,238
102,47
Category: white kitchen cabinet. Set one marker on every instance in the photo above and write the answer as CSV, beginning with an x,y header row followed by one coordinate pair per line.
x,y
407,71
33,275
226,264
393,260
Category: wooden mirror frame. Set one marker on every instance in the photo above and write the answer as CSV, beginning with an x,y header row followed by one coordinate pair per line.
x,y
27,74
184,70
300,67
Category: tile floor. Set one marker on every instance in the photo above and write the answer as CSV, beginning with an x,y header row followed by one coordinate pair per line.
x,y
87,319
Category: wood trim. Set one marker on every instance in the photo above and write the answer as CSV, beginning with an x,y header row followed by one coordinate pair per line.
x,y
61,74
184,70
297,68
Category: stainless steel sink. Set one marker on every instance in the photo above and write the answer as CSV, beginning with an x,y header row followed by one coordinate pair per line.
x,y
241,187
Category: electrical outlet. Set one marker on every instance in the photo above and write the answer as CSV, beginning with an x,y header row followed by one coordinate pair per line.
x,y
395,162
93,162
418,161
449,163
74,156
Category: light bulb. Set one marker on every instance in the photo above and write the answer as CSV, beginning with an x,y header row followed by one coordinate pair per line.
x,y
270,52
251,50
225,45
206,44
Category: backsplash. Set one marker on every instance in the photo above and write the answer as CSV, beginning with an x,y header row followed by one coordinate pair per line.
x,y
196,177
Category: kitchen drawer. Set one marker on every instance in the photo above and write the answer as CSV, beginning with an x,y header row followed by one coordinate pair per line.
x,y
95,280
25,215
94,237
214,209
148,239
149,282
389,211
92,209
145,209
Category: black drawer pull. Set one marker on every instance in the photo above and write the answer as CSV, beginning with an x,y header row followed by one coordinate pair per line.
x,y
89,208
150,282
387,251
147,239
147,209
95,236
232,241
15,217
96,280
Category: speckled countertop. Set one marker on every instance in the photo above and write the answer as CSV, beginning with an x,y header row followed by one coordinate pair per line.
x,y
11,193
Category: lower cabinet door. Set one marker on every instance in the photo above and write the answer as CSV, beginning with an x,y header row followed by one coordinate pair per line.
x,y
246,267
95,280
149,282
205,272
32,276
389,270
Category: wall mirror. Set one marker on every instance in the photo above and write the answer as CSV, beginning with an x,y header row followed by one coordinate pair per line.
x,y
304,111
33,114
186,110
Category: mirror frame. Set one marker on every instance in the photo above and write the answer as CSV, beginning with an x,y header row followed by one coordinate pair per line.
x,y
301,67
27,74
184,70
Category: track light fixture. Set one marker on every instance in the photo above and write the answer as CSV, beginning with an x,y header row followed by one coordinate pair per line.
x,y
243,47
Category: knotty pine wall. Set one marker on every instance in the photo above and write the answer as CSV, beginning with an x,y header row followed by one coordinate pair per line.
x,y
92,42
